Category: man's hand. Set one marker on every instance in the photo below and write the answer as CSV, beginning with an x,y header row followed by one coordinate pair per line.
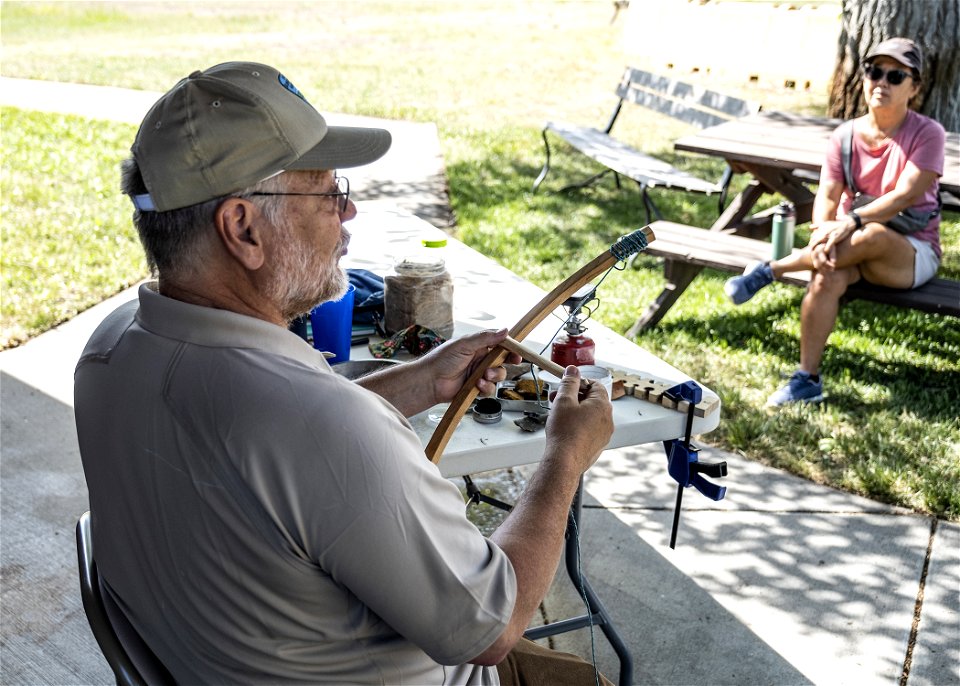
x,y
533,535
578,429
449,366
440,374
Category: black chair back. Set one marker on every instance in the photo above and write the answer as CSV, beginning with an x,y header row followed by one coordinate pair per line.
x,y
135,664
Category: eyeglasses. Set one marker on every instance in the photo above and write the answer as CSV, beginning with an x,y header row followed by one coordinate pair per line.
x,y
894,76
342,192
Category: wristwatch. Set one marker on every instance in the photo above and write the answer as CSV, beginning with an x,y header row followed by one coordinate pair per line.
x,y
858,222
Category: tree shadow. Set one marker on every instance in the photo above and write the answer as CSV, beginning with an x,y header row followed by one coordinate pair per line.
x,y
745,328
479,186
799,567
651,610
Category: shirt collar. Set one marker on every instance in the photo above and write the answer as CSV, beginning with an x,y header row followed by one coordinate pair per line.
x,y
211,327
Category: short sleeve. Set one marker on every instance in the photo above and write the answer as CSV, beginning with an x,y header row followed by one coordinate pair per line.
x,y
929,147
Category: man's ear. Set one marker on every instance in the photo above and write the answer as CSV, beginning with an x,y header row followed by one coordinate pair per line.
x,y
239,226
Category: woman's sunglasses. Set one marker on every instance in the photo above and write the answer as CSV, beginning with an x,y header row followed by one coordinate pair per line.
x,y
894,76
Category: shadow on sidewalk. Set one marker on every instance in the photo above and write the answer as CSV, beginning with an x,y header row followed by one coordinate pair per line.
x,y
677,632
46,638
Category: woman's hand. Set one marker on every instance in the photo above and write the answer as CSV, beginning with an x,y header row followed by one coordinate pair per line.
x,y
822,260
842,229
824,240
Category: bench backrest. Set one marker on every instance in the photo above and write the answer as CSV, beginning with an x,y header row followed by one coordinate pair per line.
x,y
693,104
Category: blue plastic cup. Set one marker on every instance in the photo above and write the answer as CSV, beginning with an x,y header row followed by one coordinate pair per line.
x,y
332,324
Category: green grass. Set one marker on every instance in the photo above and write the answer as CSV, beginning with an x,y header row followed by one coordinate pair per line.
x,y
489,74
66,232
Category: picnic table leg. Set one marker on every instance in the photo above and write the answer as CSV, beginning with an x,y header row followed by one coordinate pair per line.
x,y
765,180
741,205
679,275
794,190
546,163
739,219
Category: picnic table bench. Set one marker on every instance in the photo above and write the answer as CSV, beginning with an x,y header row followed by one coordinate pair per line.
x,y
692,104
686,250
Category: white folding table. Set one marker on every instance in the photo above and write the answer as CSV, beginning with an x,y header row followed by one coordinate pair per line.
x,y
488,296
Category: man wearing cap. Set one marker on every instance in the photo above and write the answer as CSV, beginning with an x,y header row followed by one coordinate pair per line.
x,y
876,215
257,517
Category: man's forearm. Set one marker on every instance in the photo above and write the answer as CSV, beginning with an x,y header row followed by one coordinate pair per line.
x,y
532,537
403,386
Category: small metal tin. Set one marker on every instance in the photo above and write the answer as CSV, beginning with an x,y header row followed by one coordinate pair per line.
x,y
487,411
510,405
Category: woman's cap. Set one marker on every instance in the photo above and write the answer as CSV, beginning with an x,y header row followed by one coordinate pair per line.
x,y
903,50
235,124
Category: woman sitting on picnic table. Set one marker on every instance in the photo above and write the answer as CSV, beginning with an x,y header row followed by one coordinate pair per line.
x,y
882,223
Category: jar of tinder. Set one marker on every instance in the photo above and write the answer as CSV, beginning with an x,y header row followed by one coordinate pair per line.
x,y
420,291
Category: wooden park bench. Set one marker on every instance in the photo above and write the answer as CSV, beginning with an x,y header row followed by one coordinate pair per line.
x,y
687,250
691,104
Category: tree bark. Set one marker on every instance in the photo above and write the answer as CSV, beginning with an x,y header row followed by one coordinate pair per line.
x,y
933,24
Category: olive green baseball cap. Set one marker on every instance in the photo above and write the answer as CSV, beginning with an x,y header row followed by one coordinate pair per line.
x,y
227,128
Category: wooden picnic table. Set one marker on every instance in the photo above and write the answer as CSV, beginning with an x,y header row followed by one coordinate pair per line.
x,y
783,153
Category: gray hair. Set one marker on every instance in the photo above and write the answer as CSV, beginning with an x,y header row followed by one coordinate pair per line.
x,y
175,241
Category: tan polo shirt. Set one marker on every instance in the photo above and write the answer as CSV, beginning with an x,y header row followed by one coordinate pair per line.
x,y
259,518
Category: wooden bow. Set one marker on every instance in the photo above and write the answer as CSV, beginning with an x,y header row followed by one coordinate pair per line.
x,y
622,249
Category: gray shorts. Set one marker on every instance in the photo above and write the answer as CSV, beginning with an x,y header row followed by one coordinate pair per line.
x,y
925,261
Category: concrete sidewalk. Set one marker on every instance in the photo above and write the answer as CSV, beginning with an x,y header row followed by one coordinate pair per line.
x,y
783,582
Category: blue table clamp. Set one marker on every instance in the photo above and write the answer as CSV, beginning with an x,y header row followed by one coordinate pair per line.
x,y
682,458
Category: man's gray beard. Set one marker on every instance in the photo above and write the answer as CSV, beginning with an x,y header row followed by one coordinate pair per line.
x,y
301,282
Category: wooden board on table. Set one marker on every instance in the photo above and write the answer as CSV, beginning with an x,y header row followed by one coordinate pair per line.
x,y
652,389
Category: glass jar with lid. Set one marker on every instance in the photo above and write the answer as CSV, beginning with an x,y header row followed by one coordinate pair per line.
x,y
420,291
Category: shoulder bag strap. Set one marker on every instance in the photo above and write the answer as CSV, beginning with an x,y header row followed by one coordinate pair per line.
x,y
846,154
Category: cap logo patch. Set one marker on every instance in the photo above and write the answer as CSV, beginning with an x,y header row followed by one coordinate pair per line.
x,y
285,82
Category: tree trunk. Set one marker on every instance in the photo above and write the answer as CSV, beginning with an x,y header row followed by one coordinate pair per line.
x,y
933,24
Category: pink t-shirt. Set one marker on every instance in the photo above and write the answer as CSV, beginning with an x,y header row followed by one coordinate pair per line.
x,y
920,140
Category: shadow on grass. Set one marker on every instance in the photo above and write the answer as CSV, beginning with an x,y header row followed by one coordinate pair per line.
x,y
740,329
502,179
